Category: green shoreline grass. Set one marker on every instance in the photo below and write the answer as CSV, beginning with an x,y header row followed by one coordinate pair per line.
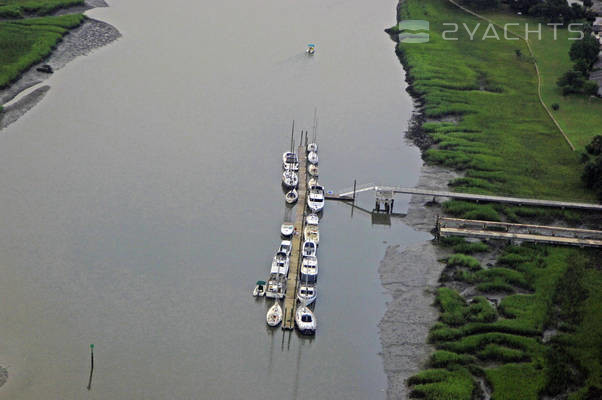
x,y
25,42
20,8
502,138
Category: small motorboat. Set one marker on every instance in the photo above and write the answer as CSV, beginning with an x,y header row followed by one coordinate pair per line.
x,y
290,179
307,293
280,264
309,248
313,169
311,49
274,314
315,198
290,161
291,196
47,69
312,233
312,147
287,229
312,219
259,289
312,157
305,320
276,287
309,269
285,247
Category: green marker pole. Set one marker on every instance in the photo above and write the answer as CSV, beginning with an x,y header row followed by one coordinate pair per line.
x,y
91,366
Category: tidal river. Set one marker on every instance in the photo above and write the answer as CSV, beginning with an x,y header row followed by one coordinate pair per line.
x,y
141,200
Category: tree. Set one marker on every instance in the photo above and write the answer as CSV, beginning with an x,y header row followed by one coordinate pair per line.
x,y
586,49
571,82
590,88
522,5
587,3
595,147
592,173
482,4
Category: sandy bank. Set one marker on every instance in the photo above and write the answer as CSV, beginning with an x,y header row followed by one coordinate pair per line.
x,y
92,34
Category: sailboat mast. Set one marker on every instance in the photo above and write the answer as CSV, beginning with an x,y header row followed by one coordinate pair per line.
x,y
292,136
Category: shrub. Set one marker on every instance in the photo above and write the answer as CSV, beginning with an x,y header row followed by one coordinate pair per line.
x,y
463,260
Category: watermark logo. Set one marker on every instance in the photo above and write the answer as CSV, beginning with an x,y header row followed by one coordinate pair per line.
x,y
413,31
410,28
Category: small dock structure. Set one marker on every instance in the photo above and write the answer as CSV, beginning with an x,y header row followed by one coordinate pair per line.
x,y
518,232
290,303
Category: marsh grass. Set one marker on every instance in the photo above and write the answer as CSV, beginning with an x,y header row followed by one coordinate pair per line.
x,y
19,8
24,43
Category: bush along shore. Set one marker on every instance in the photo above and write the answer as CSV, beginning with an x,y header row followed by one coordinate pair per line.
x,y
31,33
515,321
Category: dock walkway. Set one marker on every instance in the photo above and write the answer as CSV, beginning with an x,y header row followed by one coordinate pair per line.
x,y
518,232
348,196
290,303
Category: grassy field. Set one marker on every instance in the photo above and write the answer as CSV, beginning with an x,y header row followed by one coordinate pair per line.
x,y
482,111
580,116
28,41
503,139
20,8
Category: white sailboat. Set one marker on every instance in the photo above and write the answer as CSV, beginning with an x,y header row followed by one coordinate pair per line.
x,y
309,269
312,233
285,247
290,179
291,196
307,293
274,314
315,198
312,219
305,320
309,248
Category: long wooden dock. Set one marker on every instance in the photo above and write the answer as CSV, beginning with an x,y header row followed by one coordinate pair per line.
x,y
348,196
518,232
290,303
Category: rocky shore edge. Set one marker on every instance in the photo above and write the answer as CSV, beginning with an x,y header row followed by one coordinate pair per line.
x,y
90,35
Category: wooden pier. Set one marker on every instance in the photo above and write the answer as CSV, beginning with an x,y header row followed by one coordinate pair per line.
x,y
290,303
349,196
518,232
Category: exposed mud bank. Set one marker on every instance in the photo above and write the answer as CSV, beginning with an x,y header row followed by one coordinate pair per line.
x,y
411,275
91,35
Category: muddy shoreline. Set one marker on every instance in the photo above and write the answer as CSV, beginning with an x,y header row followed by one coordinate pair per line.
x,y
90,35
411,275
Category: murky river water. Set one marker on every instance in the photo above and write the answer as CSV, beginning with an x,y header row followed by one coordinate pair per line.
x,y
140,201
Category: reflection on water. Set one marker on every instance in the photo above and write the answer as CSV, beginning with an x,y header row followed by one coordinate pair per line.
x,y
141,201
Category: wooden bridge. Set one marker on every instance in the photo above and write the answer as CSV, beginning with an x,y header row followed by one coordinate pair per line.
x,y
349,195
290,303
518,232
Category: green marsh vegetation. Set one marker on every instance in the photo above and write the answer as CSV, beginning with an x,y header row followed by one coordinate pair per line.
x,y
21,8
536,312
543,288
28,41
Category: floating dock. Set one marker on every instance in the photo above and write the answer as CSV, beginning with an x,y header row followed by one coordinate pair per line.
x,y
290,302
